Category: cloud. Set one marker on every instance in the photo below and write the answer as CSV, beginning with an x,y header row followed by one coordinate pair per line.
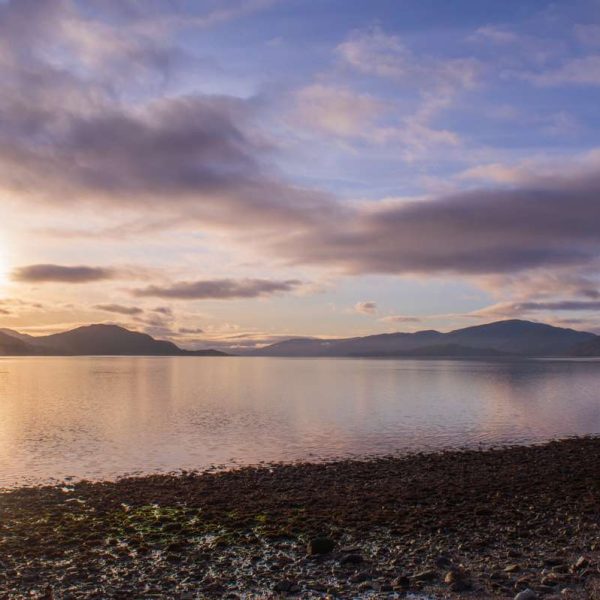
x,y
70,137
46,273
373,52
494,172
80,130
119,309
224,289
577,71
495,35
190,330
547,221
429,83
400,319
513,309
574,282
366,308
337,110
238,341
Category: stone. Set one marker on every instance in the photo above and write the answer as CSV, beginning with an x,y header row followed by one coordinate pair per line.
x,y
351,559
284,586
320,545
443,562
553,561
452,576
460,586
527,594
401,582
425,576
512,568
360,577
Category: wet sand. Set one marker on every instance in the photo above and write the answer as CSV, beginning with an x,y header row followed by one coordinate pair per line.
x,y
473,524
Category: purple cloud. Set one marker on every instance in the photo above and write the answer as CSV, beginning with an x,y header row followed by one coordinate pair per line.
x,y
190,330
550,222
71,140
224,289
119,309
366,308
400,319
47,273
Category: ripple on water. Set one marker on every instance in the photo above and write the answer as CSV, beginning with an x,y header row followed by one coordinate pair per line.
x,y
102,417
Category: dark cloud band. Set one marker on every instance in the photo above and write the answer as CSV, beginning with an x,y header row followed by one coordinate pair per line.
x,y
119,309
47,273
225,289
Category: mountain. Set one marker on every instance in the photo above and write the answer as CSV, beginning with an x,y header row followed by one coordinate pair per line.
x,y
15,334
510,337
10,345
100,340
520,337
587,349
387,343
502,338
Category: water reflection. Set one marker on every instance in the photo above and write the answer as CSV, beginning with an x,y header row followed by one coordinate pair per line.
x,y
103,417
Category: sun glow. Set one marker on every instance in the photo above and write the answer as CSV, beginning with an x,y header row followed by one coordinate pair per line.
x,y
4,269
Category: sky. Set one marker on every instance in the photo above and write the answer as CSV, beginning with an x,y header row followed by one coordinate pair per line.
x,y
230,173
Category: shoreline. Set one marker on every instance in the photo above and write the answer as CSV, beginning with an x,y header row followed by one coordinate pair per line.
x,y
468,523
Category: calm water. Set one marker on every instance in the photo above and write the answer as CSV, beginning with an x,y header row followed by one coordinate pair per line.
x,y
104,417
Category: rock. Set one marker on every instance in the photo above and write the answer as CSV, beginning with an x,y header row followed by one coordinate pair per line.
x,y
545,589
452,576
460,586
550,580
360,577
402,582
425,576
560,569
320,545
443,562
351,559
284,586
48,593
553,561
457,581
527,594
581,563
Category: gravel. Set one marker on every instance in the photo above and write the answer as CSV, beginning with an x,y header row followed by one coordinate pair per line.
x,y
472,524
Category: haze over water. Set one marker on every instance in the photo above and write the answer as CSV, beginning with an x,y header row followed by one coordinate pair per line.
x,y
103,417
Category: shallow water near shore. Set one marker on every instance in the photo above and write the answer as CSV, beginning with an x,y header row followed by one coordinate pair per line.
x,y
103,417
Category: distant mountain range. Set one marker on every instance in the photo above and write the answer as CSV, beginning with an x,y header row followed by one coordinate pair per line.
x,y
502,338
100,340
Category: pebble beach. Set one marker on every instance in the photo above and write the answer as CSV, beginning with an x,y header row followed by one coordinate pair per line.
x,y
517,522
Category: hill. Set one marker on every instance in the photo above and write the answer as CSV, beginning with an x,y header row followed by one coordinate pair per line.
x,y
587,349
510,337
10,345
96,340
